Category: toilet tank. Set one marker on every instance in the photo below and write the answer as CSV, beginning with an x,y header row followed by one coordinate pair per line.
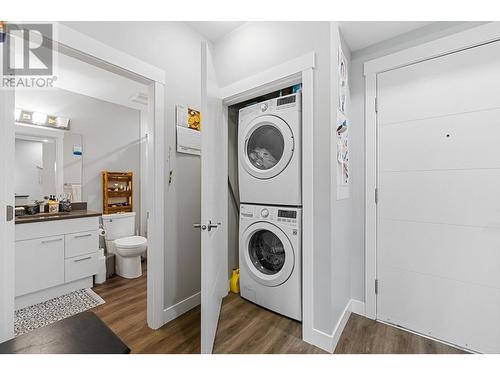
x,y
118,225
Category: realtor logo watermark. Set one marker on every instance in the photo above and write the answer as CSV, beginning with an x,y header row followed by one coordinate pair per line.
x,y
28,55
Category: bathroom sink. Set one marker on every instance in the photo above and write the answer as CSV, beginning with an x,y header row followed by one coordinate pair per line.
x,y
53,214
42,216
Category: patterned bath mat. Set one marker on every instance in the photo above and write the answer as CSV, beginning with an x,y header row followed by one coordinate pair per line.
x,y
32,317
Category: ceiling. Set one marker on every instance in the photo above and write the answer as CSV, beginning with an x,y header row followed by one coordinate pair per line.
x,y
214,30
362,34
357,34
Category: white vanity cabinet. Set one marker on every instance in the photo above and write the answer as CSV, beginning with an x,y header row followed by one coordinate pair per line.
x,y
54,257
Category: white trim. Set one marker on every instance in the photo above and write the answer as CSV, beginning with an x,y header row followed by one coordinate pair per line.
x,y
370,206
449,44
6,228
144,176
181,307
308,332
358,307
285,73
156,207
328,342
83,43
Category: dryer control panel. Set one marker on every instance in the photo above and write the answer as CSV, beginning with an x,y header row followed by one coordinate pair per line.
x,y
282,215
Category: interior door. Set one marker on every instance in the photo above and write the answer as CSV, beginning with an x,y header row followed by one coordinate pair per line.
x,y
438,226
6,211
214,248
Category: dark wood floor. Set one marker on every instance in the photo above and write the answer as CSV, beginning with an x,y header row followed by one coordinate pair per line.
x,y
243,328
365,336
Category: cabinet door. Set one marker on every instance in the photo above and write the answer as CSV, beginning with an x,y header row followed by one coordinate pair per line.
x,y
39,264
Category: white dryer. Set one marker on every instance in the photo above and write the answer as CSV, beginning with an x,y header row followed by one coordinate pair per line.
x,y
269,152
271,258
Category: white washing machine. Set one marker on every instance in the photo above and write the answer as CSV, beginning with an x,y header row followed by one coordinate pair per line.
x,y
271,258
269,152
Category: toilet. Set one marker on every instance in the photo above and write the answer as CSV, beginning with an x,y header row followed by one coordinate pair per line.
x,y
120,240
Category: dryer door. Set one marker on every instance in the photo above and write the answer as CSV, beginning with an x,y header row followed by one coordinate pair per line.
x,y
267,145
268,254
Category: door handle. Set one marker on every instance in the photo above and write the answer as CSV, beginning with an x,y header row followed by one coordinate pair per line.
x,y
201,226
86,258
83,235
212,225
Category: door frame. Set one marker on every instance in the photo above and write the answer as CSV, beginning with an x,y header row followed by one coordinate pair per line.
x,y
298,70
450,44
97,53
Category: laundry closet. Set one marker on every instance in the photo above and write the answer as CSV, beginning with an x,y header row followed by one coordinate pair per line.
x,y
265,199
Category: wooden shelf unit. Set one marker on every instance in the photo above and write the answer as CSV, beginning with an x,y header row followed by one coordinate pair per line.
x,y
111,202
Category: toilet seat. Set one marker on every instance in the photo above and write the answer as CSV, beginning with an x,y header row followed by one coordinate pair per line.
x,y
130,242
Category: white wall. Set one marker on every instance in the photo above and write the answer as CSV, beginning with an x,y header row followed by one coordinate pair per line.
x,y
110,136
357,86
175,48
258,46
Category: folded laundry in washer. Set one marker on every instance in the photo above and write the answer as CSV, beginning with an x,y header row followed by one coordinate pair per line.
x,y
262,158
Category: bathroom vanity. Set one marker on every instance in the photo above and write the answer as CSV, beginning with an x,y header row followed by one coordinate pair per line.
x,y
54,254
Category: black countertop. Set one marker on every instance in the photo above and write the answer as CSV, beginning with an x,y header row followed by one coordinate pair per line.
x,y
74,214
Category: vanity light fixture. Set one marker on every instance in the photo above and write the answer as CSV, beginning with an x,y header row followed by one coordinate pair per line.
x,y
26,116
41,119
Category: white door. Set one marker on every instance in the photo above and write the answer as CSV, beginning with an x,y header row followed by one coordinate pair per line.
x,y
6,207
438,226
214,268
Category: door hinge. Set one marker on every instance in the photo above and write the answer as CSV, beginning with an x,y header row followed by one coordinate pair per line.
x,y
376,195
376,286
376,105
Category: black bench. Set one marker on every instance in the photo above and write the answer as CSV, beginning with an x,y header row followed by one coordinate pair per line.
x,y
83,333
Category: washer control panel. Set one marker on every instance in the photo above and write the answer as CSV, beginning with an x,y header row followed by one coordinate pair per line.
x,y
281,215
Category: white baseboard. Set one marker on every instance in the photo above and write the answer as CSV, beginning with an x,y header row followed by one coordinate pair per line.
x,y
339,328
328,342
181,307
358,307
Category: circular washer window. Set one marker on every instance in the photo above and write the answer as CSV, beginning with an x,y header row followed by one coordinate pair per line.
x,y
265,147
266,252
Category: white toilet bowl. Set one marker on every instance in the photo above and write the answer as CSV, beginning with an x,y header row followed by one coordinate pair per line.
x,y
128,251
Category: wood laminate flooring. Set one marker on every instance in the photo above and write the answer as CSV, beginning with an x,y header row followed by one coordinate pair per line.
x,y
243,328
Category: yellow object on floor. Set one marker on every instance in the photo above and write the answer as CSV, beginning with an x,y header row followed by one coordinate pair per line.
x,y
234,285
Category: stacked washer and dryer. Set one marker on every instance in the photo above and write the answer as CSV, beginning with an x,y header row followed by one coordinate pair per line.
x,y
270,180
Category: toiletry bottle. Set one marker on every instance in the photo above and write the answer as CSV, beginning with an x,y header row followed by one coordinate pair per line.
x,y
53,204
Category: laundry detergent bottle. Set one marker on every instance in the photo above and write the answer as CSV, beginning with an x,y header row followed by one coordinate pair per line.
x,y
234,284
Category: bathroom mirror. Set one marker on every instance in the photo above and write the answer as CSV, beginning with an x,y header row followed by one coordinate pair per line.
x,y
47,163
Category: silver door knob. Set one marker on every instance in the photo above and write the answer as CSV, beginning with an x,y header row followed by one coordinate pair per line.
x,y
201,226
212,225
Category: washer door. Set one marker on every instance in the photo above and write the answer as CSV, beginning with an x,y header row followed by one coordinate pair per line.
x,y
268,254
268,146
